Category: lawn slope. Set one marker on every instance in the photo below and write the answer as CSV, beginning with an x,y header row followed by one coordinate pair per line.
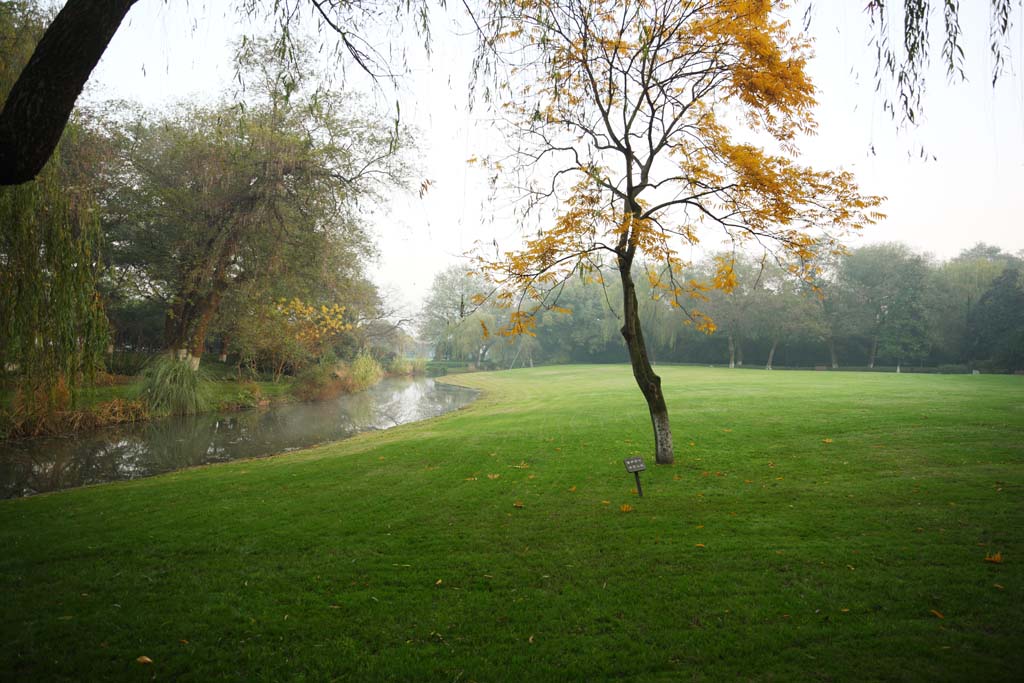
x,y
816,526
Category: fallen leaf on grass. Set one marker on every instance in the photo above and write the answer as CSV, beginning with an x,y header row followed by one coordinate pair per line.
x,y
676,477
183,641
994,559
523,465
143,660
518,504
439,582
625,507
845,609
530,640
470,478
937,613
606,502
726,430
572,489
699,545
493,476
999,586
826,440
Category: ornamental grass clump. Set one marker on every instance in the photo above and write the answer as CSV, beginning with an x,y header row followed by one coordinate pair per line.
x,y
364,372
172,387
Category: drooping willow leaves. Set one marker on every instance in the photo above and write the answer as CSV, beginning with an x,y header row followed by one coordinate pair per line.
x,y
52,326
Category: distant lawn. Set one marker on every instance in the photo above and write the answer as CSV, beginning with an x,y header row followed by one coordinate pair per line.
x,y
817,526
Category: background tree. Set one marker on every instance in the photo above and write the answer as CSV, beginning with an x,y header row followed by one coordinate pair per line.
x,y
956,287
450,319
619,113
996,324
781,310
215,199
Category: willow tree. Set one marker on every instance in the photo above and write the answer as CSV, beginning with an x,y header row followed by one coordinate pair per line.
x,y
52,325
620,116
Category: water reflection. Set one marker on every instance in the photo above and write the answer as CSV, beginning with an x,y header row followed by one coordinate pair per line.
x,y
131,451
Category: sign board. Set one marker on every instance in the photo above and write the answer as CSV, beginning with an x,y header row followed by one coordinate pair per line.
x,y
635,464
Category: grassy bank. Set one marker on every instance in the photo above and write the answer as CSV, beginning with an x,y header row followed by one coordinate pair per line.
x,y
816,526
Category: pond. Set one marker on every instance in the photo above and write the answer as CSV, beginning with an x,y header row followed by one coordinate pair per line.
x,y
30,466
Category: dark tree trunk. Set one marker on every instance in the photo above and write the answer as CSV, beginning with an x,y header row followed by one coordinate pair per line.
x,y
41,100
186,325
771,354
739,354
732,352
832,353
874,352
646,379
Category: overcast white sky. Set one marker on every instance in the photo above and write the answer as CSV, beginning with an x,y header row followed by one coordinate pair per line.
x,y
168,52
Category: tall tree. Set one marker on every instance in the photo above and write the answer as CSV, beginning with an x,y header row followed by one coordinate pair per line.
x,y
619,114
883,286
216,198
996,324
52,325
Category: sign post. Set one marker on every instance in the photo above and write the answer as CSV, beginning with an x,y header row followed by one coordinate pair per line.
x,y
636,466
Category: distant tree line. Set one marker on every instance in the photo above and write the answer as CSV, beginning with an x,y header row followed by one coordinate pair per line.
x,y
877,306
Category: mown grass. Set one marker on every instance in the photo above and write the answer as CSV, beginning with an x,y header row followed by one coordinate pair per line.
x,y
766,553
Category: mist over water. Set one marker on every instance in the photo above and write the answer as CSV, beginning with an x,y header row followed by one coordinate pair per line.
x,y
31,466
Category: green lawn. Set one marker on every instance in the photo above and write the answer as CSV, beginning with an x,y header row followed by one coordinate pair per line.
x,y
815,526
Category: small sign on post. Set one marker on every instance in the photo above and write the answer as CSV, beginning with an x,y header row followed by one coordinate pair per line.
x,y
636,466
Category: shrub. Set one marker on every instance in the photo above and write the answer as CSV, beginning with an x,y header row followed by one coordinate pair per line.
x,y
319,382
172,387
399,366
364,372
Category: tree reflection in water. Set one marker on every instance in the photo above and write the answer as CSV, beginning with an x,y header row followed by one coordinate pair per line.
x,y
31,466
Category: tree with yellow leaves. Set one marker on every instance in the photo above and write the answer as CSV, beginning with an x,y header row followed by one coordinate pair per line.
x,y
623,115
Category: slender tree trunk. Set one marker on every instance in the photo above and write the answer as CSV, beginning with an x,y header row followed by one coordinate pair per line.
x,y
223,356
732,353
739,354
771,354
873,353
646,379
832,353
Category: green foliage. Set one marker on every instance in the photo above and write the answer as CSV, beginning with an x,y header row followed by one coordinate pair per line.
x,y
997,322
52,324
319,382
237,204
171,387
364,372
406,367
395,557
